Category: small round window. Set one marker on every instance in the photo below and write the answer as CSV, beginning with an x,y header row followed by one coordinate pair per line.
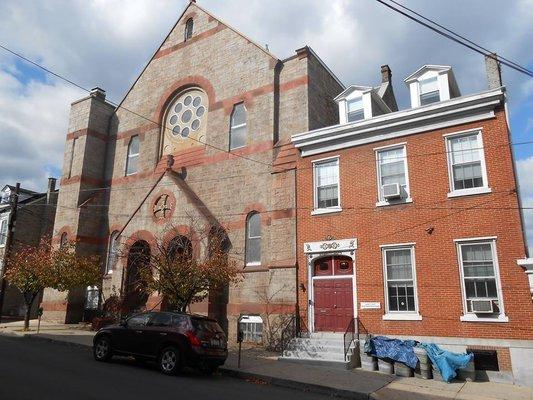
x,y
187,114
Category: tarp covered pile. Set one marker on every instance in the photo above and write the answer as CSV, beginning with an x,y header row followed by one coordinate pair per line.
x,y
402,351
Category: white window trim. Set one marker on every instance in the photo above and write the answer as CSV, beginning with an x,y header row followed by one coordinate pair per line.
x,y
471,317
232,127
247,237
472,191
419,88
400,315
109,271
5,219
381,202
347,101
128,156
316,210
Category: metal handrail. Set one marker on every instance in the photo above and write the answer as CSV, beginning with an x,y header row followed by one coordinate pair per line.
x,y
291,330
352,330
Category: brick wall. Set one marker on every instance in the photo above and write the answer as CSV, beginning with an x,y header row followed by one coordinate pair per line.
x,y
437,270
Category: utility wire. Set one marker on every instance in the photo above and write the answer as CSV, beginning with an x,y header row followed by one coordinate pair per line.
x,y
458,39
117,106
369,159
459,36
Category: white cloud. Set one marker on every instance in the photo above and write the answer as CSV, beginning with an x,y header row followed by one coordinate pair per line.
x,y
33,125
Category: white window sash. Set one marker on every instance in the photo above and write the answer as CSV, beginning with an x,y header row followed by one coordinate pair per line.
x,y
381,199
496,270
480,189
3,231
316,186
384,251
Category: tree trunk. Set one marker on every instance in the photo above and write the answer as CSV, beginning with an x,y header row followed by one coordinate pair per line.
x,y
28,312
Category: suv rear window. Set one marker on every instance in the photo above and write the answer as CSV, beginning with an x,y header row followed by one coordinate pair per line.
x,y
206,325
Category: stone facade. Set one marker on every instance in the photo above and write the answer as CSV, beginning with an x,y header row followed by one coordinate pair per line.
x,y
280,97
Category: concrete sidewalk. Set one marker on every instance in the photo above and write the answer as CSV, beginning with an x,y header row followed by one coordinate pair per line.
x,y
262,367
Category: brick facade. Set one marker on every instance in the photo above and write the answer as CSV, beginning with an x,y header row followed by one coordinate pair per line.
x,y
437,270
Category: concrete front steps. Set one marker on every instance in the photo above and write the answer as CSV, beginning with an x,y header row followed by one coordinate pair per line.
x,y
323,348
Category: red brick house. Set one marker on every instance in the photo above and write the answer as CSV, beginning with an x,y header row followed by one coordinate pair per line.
x,y
409,221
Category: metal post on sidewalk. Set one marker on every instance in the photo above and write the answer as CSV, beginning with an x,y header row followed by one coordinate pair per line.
x,y
239,340
39,315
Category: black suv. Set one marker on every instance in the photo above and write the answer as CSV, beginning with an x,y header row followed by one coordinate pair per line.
x,y
172,339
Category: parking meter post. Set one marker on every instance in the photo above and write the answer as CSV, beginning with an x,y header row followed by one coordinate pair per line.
x,y
39,315
239,360
239,340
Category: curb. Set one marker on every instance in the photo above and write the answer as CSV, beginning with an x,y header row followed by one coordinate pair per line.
x,y
230,372
37,337
301,386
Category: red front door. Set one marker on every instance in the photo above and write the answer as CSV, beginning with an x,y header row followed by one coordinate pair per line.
x,y
333,297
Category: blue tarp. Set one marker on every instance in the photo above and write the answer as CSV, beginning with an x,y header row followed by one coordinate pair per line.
x,y
395,349
447,362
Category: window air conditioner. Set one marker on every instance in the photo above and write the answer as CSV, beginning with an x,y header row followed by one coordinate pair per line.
x,y
391,191
482,306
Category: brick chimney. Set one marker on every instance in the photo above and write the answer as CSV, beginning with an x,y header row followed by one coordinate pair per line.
x,y
51,188
386,74
494,72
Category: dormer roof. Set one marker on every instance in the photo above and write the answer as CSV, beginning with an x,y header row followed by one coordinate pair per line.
x,y
352,88
439,69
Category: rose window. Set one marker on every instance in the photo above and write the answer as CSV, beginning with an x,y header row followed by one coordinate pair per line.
x,y
186,114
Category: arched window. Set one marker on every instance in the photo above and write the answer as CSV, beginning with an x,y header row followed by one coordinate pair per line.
x,y
63,241
185,121
179,247
112,253
238,131
253,239
189,25
132,163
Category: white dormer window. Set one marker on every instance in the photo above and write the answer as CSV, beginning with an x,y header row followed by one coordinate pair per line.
x,y
355,110
429,91
432,84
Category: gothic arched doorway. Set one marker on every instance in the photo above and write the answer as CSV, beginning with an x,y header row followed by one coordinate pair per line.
x,y
136,293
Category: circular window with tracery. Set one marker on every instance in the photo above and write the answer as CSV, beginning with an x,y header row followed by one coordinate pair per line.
x,y
163,207
185,121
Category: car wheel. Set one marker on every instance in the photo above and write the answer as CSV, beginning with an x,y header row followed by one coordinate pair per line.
x,y
102,349
170,361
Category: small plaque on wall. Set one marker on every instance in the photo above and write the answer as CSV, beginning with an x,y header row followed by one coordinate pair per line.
x,y
366,305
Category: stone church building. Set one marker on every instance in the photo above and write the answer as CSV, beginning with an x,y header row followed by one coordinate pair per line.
x,y
225,108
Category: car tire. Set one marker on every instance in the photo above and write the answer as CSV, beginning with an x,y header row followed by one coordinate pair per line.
x,y
102,350
170,360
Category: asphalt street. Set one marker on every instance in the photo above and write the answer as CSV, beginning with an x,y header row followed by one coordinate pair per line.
x,y
34,369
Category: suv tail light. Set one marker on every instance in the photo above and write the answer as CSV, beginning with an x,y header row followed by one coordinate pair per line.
x,y
193,339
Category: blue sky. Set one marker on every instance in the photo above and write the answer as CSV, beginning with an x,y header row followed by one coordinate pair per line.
x,y
106,43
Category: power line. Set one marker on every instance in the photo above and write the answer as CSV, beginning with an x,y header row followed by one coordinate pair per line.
x,y
461,37
369,159
117,106
458,39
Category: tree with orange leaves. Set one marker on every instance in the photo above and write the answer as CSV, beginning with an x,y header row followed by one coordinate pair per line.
x,y
184,276
31,269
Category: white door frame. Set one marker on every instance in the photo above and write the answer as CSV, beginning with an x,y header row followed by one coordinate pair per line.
x,y
316,250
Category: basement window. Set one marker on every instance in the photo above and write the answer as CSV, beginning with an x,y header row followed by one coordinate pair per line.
x,y
252,328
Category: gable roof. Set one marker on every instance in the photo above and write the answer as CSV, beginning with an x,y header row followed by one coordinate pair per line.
x,y
350,89
425,68
192,3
